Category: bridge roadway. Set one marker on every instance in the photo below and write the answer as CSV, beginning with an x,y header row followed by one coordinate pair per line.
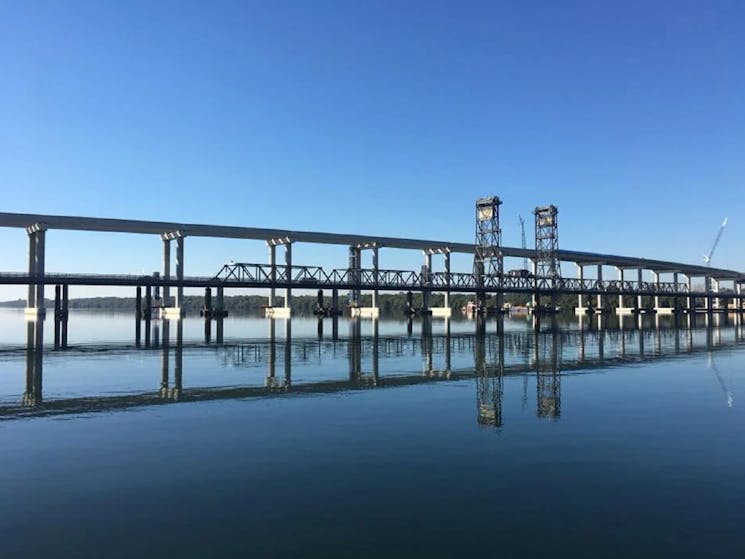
x,y
552,361
161,228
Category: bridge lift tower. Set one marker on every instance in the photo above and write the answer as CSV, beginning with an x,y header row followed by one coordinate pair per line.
x,y
547,242
547,268
487,257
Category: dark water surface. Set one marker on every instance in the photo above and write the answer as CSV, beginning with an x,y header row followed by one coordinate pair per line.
x,y
569,442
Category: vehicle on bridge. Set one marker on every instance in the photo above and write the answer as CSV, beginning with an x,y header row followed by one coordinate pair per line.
x,y
519,273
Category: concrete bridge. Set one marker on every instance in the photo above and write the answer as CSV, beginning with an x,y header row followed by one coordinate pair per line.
x,y
720,290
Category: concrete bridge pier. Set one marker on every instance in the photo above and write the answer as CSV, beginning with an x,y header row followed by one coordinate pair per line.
x,y
426,281
287,312
355,261
583,307
138,315
602,301
35,309
148,313
272,274
220,314
60,316
446,303
335,302
173,309
444,311
676,308
716,302
272,310
622,309
207,314
639,303
690,299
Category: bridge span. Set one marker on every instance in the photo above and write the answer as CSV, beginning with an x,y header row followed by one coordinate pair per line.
x,y
678,285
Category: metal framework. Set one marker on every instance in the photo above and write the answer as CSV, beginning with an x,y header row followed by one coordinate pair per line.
x,y
489,379
315,277
548,374
487,256
547,242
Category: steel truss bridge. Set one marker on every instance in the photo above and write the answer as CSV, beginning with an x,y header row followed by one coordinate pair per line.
x,y
244,275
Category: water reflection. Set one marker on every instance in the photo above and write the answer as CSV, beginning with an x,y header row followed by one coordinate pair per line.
x,y
543,351
34,363
488,357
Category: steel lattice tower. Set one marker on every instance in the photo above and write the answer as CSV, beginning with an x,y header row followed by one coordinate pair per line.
x,y
487,258
489,380
547,242
548,374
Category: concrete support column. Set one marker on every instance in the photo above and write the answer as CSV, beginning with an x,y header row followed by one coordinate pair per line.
x,y
179,272
375,275
220,308
656,276
691,299
334,302
676,287
639,279
717,303
580,277
354,267
36,258
600,280
426,271
620,279
166,271
288,265
65,314
446,303
272,274
535,299
707,290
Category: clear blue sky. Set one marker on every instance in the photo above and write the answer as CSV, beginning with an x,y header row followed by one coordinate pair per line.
x,y
377,117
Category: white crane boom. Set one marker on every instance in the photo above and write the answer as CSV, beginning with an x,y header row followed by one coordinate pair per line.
x,y
707,257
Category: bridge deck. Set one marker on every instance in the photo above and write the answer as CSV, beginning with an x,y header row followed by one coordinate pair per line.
x,y
71,223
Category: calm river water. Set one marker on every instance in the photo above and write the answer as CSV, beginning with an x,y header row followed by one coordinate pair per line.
x,y
382,439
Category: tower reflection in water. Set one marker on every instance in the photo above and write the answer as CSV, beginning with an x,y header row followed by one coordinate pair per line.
x,y
167,391
34,362
547,362
538,351
488,358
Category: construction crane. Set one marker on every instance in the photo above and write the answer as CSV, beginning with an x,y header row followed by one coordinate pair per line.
x,y
522,231
707,257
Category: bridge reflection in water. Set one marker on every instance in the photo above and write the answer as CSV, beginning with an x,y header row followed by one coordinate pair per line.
x,y
544,351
